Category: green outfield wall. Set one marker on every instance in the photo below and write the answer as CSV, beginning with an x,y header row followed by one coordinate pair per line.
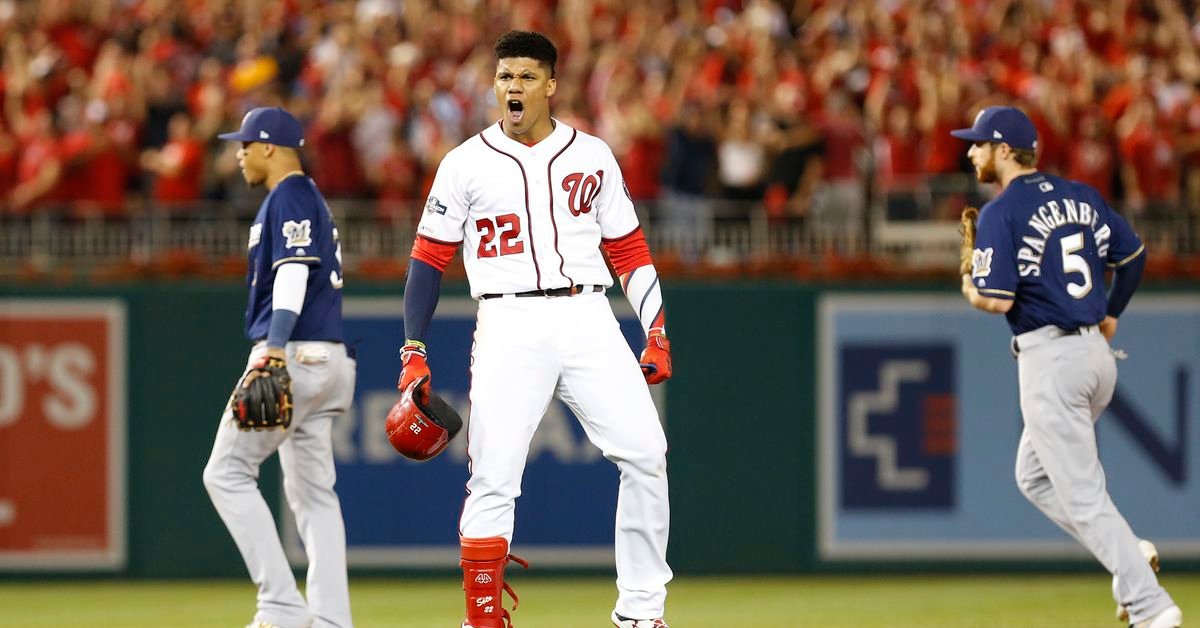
x,y
745,453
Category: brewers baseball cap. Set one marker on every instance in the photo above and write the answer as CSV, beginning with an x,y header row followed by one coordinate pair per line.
x,y
269,125
1006,125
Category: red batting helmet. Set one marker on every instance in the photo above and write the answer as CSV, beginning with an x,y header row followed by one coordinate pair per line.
x,y
420,429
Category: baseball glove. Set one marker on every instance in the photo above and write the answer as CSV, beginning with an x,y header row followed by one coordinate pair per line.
x,y
966,249
265,402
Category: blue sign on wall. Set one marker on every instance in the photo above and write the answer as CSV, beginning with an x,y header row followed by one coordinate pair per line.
x,y
898,437
919,421
401,513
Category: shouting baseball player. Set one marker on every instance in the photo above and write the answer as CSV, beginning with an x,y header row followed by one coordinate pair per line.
x,y
536,201
1039,258
294,319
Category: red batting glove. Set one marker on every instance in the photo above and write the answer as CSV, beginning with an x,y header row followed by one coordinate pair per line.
x,y
656,357
413,366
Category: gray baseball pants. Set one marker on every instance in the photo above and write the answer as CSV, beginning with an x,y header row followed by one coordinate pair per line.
x,y
323,387
1066,382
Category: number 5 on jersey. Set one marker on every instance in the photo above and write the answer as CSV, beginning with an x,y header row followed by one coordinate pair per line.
x,y
499,236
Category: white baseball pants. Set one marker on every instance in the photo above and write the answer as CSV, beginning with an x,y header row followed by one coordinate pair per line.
x,y
1066,382
323,387
528,349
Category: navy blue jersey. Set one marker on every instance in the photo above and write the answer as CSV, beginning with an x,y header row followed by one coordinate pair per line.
x,y
294,224
1044,242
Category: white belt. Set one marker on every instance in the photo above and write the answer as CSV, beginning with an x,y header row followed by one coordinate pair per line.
x,y
1031,339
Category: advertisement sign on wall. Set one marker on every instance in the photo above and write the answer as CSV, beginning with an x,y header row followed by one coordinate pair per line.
x,y
401,513
62,434
919,420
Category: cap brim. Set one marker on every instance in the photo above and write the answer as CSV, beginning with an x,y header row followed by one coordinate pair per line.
x,y
236,136
971,135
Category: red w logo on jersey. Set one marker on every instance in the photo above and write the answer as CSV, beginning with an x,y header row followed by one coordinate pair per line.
x,y
583,190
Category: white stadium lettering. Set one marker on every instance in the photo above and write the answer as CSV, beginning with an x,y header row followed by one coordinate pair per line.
x,y
889,475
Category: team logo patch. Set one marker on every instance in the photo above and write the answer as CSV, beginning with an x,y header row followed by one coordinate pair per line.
x,y
297,233
582,190
627,194
434,206
981,262
483,579
255,235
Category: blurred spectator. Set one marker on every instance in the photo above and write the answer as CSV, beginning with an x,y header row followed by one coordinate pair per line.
x,y
688,168
796,168
1091,159
396,177
898,154
177,166
97,160
643,159
335,160
8,165
39,170
741,154
840,202
1149,172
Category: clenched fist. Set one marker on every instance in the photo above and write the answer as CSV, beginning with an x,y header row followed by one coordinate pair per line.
x,y
656,357
413,366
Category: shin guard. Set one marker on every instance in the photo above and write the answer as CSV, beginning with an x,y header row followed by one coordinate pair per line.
x,y
483,562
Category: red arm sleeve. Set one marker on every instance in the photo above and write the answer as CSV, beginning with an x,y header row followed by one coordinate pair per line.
x,y
628,251
434,252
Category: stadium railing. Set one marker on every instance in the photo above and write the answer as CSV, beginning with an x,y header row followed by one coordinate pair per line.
x,y
732,239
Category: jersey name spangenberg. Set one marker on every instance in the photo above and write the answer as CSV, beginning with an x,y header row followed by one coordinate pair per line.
x,y
1051,216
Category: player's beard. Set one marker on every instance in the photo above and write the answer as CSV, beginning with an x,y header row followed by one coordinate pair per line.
x,y
987,172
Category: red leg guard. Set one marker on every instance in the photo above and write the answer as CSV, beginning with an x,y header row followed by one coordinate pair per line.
x,y
483,562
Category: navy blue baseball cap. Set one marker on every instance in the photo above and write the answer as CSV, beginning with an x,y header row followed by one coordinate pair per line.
x,y
1005,125
269,125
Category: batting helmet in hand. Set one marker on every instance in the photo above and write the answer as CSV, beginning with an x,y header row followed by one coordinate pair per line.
x,y
421,429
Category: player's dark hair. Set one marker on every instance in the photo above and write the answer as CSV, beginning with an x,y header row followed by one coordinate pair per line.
x,y
1025,157
527,44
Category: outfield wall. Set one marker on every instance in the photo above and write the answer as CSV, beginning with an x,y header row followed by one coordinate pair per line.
x,y
810,429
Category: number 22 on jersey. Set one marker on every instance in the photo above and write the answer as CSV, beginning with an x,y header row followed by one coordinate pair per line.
x,y
498,235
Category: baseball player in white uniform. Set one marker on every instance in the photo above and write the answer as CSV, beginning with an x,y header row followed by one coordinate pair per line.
x,y
295,314
534,202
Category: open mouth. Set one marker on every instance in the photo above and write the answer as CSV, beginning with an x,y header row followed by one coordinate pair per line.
x,y
516,110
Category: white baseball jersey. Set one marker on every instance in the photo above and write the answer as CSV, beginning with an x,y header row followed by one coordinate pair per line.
x,y
491,193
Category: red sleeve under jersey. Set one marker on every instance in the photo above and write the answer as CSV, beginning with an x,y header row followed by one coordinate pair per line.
x,y
628,251
434,252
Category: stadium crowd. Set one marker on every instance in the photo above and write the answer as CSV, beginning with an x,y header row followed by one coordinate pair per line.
x,y
811,108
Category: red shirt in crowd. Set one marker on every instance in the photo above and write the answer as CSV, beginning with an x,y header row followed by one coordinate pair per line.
x,y
899,159
9,155
945,150
37,152
335,169
1091,161
1150,152
399,185
842,139
642,166
182,186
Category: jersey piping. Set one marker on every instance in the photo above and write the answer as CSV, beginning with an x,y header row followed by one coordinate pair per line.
x,y
294,259
528,218
437,241
550,188
1128,259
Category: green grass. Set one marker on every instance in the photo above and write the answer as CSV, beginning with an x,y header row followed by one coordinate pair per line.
x,y
776,602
